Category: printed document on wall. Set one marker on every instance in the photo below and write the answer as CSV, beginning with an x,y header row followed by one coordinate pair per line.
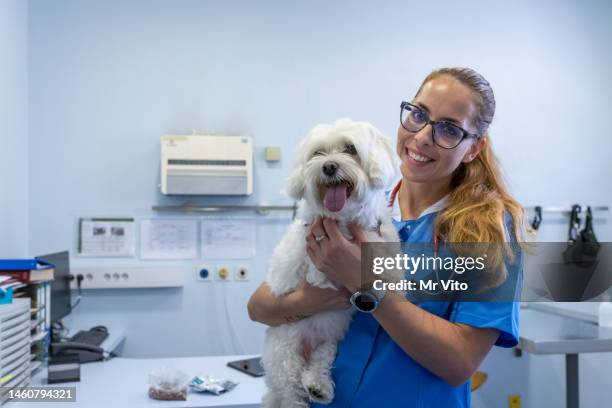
x,y
106,237
228,238
168,239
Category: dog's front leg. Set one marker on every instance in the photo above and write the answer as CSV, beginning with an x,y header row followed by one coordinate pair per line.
x,y
316,379
293,365
283,399
271,399
283,363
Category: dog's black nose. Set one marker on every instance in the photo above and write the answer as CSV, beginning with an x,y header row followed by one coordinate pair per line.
x,y
330,168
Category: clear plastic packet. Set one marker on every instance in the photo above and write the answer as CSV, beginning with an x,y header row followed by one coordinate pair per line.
x,y
205,383
168,384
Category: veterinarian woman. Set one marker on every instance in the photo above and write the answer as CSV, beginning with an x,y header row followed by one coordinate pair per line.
x,y
402,354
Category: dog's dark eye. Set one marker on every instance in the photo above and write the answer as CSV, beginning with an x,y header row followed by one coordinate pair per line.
x,y
350,149
318,153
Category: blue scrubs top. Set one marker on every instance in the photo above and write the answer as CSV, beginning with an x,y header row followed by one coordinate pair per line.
x,y
371,370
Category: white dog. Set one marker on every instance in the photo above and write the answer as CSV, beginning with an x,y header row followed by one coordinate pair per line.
x,y
342,173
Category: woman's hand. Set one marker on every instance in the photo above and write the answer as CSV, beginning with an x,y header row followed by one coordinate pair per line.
x,y
308,300
334,255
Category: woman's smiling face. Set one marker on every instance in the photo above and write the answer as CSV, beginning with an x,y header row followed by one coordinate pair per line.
x,y
443,98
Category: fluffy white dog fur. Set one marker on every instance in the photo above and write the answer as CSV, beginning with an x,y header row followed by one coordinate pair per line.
x,y
366,166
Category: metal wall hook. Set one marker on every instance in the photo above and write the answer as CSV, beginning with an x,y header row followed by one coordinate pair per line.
x,y
574,224
537,218
568,210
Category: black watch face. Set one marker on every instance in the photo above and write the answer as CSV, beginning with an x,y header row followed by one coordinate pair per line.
x,y
364,302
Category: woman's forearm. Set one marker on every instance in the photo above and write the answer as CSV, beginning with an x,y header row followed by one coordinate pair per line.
x,y
308,300
452,351
271,310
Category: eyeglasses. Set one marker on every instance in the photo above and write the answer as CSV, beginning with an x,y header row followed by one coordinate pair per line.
x,y
445,134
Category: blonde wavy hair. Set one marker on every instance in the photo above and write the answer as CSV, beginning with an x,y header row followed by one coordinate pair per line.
x,y
479,198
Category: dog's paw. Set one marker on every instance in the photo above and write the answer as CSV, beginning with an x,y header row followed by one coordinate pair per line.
x,y
319,388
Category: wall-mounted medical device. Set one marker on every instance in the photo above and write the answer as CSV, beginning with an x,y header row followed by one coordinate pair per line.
x,y
206,165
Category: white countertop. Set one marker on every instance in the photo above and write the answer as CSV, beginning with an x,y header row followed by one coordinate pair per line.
x,y
123,382
547,333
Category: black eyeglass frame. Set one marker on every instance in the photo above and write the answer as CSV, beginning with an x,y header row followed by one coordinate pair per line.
x,y
464,133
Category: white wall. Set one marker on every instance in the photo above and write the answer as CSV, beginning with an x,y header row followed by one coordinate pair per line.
x,y
13,129
108,78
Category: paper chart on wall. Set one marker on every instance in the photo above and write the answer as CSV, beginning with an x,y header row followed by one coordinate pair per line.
x,y
231,238
106,237
168,239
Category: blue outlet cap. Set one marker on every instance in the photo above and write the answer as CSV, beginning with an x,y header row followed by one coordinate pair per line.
x,y
204,273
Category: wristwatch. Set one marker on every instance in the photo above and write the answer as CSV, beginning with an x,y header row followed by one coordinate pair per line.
x,y
367,301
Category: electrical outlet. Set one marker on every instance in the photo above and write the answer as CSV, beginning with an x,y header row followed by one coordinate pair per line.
x,y
241,273
223,273
204,273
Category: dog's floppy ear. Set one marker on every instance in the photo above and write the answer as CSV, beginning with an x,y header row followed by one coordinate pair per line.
x,y
296,184
383,166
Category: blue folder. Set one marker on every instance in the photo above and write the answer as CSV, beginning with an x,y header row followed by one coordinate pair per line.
x,y
23,264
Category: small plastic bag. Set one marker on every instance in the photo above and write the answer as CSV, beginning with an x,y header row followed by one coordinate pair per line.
x,y
168,384
205,383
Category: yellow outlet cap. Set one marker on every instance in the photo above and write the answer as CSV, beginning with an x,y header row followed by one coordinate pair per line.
x,y
514,401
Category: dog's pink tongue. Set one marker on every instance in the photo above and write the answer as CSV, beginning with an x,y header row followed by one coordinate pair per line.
x,y
335,197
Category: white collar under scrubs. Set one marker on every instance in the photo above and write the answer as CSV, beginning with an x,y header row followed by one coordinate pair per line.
x,y
370,370
396,212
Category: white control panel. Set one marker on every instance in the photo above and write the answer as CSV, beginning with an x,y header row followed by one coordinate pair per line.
x,y
128,277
